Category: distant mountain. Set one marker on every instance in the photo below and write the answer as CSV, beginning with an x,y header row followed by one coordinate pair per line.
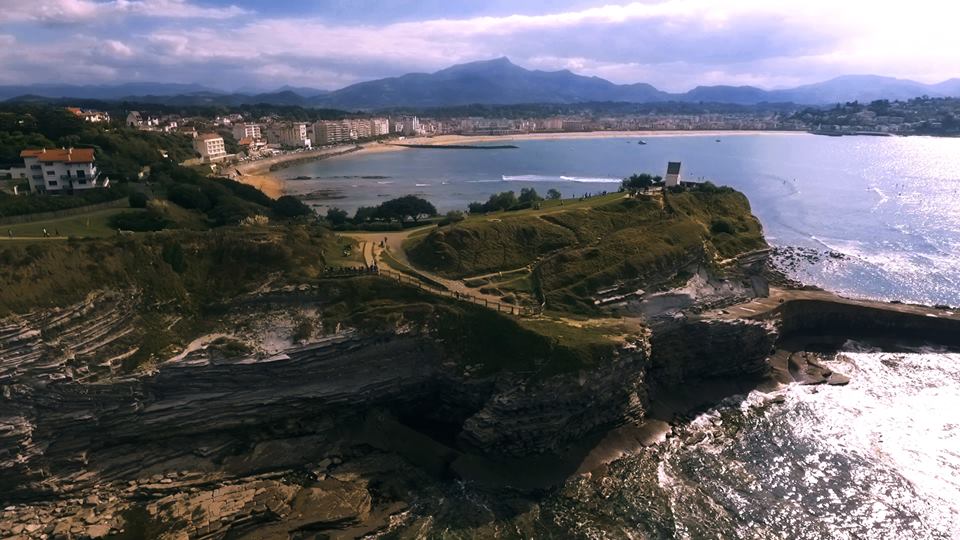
x,y
104,92
492,82
861,88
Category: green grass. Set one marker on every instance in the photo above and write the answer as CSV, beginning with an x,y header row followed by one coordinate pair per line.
x,y
90,225
580,248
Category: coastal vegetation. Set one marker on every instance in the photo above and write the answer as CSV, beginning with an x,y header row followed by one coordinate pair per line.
x,y
571,253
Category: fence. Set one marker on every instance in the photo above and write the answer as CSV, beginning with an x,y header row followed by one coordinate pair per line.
x,y
501,307
54,214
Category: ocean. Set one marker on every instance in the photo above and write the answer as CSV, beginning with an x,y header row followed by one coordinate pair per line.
x,y
879,458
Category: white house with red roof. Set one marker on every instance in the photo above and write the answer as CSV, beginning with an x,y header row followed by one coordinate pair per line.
x,y
60,170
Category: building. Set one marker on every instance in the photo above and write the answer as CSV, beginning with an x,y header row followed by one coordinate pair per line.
x,y
294,135
89,115
673,174
134,119
379,127
60,170
329,132
252,131
210,147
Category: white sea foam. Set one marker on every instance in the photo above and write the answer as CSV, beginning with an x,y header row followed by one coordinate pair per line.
x,y
423,185
561,178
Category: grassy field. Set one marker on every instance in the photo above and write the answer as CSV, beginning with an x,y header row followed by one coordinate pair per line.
x,y
90,225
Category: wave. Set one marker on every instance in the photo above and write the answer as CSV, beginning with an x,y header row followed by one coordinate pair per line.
x,y
423,185
385,183
562,178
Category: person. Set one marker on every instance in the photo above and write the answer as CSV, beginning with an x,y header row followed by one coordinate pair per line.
x,y
10,233
45,233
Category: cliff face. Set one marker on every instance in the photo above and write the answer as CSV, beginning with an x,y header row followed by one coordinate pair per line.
x,y
272,442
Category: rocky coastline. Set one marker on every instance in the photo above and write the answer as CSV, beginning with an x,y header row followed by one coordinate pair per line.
x,y
336,435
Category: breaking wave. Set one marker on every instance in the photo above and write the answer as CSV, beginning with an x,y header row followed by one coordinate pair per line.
x,y
545,178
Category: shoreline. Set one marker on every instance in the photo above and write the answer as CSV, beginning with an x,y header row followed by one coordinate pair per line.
x,y
261,173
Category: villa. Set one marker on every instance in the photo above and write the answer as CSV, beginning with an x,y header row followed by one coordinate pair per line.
x,y
59,170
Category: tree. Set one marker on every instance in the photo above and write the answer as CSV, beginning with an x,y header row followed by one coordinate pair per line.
x,y
453,216
637,182
364,214
501,201
289,206
553,194
336,216
408,206
476,208
529,195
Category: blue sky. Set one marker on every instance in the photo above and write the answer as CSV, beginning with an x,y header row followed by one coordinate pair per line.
x,y
672,44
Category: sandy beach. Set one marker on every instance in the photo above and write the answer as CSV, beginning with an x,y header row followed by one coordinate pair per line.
x,y
259,174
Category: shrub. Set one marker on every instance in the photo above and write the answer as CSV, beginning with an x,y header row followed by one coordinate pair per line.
x,y
138,200
336,216
721,225
289,206
189,196
453,216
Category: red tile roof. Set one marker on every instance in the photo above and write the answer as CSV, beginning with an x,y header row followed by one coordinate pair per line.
x,y
209,136
60,155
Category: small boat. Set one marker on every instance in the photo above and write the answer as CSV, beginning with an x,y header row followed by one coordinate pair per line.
x,y
641,141
718,140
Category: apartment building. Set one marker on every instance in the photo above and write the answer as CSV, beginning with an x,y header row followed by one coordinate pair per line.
x,y
210,147
241,131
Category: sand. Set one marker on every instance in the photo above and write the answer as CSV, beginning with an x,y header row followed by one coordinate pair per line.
x,y
258,174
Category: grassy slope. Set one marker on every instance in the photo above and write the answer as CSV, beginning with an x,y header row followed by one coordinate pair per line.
x,y
579,250
92,224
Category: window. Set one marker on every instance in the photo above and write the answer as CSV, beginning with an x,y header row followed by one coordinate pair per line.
x,y
51,172
38,177
34,167
82,181
52,182
81,174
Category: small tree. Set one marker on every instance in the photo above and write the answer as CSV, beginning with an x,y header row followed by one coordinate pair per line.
x,y
553,194
336,216
529,195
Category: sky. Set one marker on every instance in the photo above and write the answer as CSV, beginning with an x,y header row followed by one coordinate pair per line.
x,y
327,44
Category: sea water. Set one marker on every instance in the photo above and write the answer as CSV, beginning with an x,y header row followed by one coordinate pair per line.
x,y
879,458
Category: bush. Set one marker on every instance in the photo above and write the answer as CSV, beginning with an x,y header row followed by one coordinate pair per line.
x,y
138,200
189,196
289,206
453,216
553,194
721,225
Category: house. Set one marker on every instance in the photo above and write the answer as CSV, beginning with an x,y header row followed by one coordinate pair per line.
x,y
60,170
673,174
210,147
134,119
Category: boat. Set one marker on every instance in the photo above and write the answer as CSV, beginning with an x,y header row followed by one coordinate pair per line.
x,y
641,141
718,140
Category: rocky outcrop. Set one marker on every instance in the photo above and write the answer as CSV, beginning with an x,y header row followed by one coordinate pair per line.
x,y
685,350
266,441
525,417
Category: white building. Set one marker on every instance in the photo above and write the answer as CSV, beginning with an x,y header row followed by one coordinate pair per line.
x,y
89,115
673,174
241,131
210,147
59,170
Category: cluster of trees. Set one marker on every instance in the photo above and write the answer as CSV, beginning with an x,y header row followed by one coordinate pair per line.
x,y
508,200
641,182
399,210
220,200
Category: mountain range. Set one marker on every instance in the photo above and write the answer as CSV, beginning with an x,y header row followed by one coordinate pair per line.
x,y
493,82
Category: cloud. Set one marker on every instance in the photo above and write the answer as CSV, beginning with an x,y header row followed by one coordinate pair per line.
x,y
79,11
673,44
